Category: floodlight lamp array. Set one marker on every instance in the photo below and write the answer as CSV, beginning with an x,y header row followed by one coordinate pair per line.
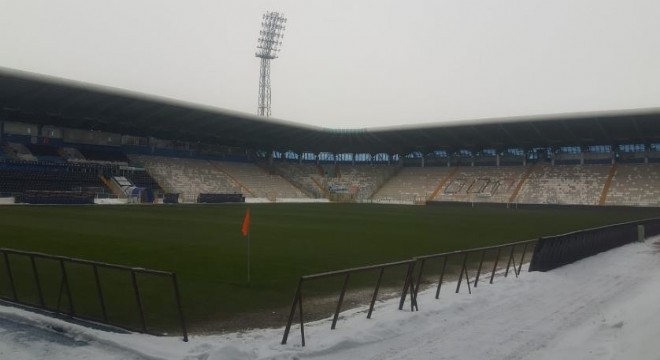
x,y
271,35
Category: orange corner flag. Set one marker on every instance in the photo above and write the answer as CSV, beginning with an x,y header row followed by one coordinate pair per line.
x,y
246,223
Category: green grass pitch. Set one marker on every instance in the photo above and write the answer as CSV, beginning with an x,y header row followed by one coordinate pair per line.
x,y
204,246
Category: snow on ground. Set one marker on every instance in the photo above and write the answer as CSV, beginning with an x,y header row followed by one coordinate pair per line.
x,y
603,307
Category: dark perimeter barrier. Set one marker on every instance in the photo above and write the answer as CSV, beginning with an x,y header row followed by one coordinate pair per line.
x,y
204,198
412,278
555,251
47,289
56,197
346,274
171,198
504,251
546,253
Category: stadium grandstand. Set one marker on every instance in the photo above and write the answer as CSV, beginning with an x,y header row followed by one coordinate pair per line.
x,y
75,143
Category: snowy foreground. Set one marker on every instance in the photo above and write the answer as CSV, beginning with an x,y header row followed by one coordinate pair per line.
x,y
604,307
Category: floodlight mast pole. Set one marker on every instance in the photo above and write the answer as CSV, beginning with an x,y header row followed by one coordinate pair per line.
x,y
270,36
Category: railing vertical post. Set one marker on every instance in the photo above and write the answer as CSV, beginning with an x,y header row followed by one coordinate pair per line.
x,y
467,280
463,269
99,292
296,298
497,258
481,262
419,278
138,300
37,282
10,276
406,284
508,265
522,258
302,319
442,275
65,283
373,298
341,300
179,307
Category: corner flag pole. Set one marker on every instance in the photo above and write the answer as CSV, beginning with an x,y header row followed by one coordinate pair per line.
x,y
248,250
245,230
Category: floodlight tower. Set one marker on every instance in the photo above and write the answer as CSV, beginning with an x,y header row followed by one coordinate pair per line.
x,y
270,39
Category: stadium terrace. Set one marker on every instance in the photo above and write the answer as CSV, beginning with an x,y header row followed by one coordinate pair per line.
x,y
149,149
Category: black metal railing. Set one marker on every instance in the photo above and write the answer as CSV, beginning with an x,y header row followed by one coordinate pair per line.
x,y
555,251
509,250
346,274
47,289
411,280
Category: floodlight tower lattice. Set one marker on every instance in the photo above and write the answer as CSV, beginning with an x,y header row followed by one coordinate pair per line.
x,y
268,47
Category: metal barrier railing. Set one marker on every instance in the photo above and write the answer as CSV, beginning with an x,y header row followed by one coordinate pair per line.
x,y
298,299
558,250
412,286
65,287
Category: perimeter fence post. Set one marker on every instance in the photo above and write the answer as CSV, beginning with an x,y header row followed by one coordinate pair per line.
x,y
138,300
10,276
522,258
179,307
442,275
99,292
460,276
481,262
640,233
37,282
297,298
419,278
65,283
373,298
497,258
406,284
508,265
341,300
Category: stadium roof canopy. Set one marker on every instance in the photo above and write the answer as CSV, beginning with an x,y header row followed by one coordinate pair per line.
x,y
47,100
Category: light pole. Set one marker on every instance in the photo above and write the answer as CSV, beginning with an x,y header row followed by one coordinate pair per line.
x,y
270,39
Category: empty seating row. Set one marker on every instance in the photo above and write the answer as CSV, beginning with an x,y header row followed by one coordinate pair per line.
x,y
411,184
258,182
481,184
188,177
637,185
564,184
18,177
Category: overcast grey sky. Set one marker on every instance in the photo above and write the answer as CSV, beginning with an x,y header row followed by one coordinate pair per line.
x,y
353,63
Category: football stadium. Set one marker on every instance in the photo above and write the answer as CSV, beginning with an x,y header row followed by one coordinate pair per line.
x,y
137,181
135,224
